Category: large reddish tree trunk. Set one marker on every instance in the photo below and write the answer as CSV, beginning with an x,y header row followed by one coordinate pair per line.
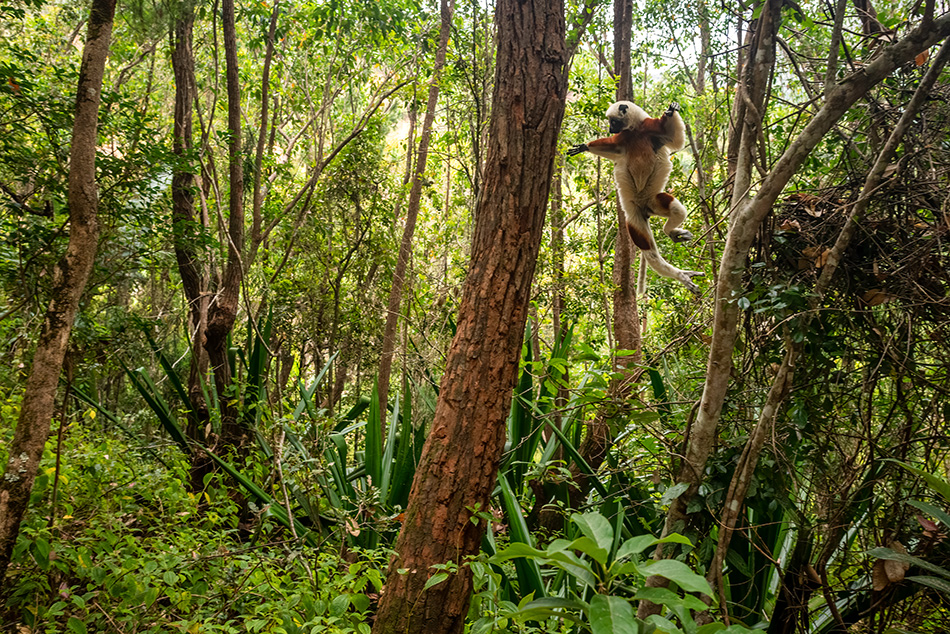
x,y
72,274
459,463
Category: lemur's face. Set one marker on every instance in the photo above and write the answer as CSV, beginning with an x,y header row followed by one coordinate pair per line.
x,y
617,116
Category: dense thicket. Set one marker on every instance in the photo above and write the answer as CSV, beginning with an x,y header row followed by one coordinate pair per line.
x,y
220,456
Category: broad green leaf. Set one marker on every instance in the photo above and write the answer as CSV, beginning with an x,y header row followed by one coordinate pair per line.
x,y
636,545
612,615
518,549
597,528
553,607
680,574
435,580
587,546
76,626
665,596
662,625
672,493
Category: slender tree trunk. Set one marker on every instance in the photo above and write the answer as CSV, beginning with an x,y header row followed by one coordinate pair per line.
x,y
626,324
185,224
412,212
223,310
626,321
742,478
459,463
748,216
70,278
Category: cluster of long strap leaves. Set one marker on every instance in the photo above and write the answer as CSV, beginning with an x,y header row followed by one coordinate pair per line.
x,y
361,490
345,477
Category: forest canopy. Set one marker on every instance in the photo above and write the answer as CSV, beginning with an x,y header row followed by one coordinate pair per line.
x,y
313,321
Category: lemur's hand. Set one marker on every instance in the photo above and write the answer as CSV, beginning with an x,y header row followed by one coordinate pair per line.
x,y
577,149
674,107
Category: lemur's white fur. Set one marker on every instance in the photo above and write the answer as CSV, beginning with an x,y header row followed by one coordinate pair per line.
x,y
640,150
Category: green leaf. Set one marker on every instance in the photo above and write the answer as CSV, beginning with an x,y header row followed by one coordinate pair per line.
x,y
339,605
932,582
587,546
887,553
662,624
636,545
930,509
936,483
672,493
680,574
374,442
665,596
435,580
76,626
598,529
612,615
553,607
529,574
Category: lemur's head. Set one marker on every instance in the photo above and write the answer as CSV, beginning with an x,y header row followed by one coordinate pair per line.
x,y
625,115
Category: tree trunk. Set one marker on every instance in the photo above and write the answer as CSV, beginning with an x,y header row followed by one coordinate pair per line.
x,y
626,322
782,383
70,278
747,218
412,212
185,224
223,309
459,463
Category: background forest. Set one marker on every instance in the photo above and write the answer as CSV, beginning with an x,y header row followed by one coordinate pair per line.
x,y
276,203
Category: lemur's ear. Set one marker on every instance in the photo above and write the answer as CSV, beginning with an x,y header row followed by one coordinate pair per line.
x,y
623,109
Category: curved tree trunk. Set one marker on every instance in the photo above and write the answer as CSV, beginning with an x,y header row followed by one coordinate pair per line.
x,y
459,463
223,309
412,212
747,217
72,274
185,224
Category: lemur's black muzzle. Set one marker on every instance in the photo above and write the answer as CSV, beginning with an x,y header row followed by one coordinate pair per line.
x,y
616,125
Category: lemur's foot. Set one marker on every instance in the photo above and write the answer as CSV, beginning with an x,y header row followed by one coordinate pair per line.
x,y
674,107
680,235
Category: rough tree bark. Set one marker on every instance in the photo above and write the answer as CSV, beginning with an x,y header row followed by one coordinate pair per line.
x,y
70,278
459,463
223,309
412,212
748,216
185,223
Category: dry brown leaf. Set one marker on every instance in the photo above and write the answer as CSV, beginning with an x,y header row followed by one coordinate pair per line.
x,y
895,569
879,576
921,59
790,225
876,297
